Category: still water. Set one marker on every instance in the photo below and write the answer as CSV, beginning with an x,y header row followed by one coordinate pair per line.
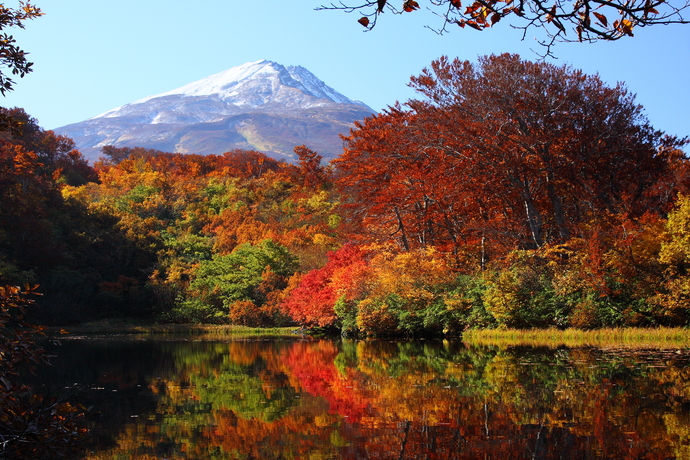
x,y
322,399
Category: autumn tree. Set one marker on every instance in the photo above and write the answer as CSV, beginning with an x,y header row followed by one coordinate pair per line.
x,y
675,255
235,286
311,171
560,21
504,153
34,164
313,301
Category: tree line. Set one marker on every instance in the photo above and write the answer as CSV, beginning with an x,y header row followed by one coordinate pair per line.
x,y
510,194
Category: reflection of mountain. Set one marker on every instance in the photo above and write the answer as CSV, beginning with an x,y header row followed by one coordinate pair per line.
x,y
260,105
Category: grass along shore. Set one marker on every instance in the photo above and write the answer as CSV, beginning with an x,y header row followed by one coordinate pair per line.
x,y
209,331
610,337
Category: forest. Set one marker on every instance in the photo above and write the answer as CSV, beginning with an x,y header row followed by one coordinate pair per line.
x,y
511,194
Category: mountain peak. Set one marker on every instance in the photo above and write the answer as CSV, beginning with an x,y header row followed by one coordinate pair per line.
x,y
259,105
253,85
223,83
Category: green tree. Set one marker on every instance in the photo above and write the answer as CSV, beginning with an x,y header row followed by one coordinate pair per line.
x,y
236,280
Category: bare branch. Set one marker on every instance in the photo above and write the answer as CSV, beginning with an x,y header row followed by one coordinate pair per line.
x,y
560,20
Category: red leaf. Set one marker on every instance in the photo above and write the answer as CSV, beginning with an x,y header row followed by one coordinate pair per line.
x,y
364,21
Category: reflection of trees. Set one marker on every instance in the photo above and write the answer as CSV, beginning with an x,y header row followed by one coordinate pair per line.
x,y
354,400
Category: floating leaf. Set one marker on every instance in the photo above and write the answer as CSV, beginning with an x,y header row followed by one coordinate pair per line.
x,y
364,21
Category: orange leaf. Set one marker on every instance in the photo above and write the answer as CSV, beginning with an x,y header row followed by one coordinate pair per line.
x,y
410,5
474,25
602,19
474,7
364,21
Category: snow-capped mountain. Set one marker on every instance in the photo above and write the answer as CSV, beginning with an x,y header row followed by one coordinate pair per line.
x,y
259,105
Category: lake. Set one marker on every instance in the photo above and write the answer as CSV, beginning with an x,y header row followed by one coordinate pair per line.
x,y
335,399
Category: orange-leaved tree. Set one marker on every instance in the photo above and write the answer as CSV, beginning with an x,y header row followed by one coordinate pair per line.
x,y
501,154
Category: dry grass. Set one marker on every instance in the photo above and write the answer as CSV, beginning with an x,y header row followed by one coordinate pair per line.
x,y
195,330
622,338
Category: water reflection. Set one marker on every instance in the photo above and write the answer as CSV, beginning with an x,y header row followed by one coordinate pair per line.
x,y
376,400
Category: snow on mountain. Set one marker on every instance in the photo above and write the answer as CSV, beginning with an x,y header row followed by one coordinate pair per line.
x,y
250,85
260,105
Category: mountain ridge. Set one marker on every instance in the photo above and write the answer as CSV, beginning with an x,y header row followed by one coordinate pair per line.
x,y
275,106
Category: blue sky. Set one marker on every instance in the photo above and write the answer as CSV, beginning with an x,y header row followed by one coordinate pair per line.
x,y
91,57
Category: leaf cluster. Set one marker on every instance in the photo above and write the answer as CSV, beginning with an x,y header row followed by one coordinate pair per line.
x,y
558,21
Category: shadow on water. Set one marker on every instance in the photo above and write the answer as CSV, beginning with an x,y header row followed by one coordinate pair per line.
x,y
322,399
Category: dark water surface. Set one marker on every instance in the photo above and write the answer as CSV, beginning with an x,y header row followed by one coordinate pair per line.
x,y
321,399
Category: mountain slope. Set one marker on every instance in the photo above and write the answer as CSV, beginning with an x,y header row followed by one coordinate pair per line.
x,y
259,105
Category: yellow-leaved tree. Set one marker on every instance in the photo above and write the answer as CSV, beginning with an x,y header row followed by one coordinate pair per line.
x,y
675,254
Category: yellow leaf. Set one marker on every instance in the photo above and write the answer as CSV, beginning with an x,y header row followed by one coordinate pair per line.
x,y
626,27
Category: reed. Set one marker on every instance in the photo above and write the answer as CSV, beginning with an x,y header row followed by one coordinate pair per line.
x,y
611,337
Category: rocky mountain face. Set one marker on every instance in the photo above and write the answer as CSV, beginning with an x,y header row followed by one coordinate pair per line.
x,y
259,105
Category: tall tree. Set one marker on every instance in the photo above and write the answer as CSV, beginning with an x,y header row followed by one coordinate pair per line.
x,y
504,152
